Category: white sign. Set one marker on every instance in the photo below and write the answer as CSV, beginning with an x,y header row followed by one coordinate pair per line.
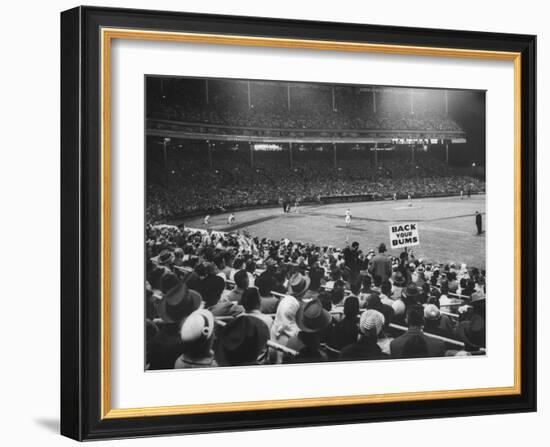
x,y
404,235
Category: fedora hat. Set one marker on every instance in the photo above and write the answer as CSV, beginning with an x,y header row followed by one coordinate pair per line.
x,y
399,280
312,317
165,257
410,292
199,325
241,341
299,284
178,303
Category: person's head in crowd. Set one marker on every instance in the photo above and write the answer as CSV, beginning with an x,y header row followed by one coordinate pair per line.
x,y
238,263
178,256
241,279
316,275
219,261
298,285
382,248
168,281
196,334
371,324
250,266
178,303
410,294
431,314
284,322
166,258
264,286
478,303
326,300
415,316
351,308
280,277
312,317
355,286
367,283
250,299
399,280
335,274
155,277
472,333
211,289
200,270
469,287
241,341
355,246
337,294
386,288
151,329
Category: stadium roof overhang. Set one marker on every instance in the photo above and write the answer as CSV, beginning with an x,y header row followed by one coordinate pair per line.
x,y
257,135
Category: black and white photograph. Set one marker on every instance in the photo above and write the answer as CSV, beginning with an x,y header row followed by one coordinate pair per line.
x,y
296,222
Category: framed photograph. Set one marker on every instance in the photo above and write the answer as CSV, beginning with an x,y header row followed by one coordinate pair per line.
x,y
272,223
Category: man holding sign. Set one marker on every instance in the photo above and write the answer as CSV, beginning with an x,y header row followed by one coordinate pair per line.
x,y
404,235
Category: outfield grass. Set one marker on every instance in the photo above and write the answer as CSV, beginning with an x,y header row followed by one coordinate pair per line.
x,y
446,226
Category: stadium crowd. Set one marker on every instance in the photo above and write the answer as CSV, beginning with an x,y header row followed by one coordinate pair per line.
x,y
192,187
227,299
311,119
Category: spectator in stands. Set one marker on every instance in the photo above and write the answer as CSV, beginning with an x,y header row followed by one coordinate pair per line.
x,y
267,277
250,300
374,302
415,321
437,323
399,311
268,302
197,336
381,264
284,325
472,333
250,267
351,258
280,280
298,285
386,293
399,283
366,348
410,295
166,346
241,341
345,332
211,286
312,319
367,290
241,284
